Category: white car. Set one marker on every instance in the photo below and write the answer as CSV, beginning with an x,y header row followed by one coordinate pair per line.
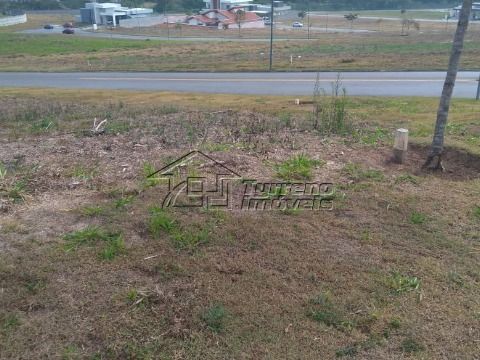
x,y
297,24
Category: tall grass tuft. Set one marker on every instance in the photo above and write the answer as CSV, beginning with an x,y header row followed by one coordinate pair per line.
x,y
330,115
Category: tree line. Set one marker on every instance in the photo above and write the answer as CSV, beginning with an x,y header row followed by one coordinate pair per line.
x,y
349,5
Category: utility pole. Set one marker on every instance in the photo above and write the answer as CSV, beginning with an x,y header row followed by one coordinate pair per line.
x,y
166,18
271,37
478,88
308,20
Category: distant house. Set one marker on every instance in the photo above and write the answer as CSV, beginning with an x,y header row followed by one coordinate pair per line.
x,y
226,19
110,13
475,11
279,6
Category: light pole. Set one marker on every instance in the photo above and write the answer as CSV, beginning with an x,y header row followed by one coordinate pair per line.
x,y
271,37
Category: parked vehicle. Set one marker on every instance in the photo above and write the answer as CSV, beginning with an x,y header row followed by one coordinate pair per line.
x,y
68,25
48,27
68,31
297,24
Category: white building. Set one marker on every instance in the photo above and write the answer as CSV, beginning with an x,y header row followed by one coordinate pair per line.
x,y
260,9
225,4
110,13
475,11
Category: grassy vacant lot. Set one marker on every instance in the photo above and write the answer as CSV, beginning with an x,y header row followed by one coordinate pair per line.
x,y
333,52
91,268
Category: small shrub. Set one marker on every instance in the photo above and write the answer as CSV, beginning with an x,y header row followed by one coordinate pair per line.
x,y
350,350
298,167
286,119
410,345
417,218
395,324
214,318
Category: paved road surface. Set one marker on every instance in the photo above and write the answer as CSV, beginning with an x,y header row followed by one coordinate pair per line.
x,y
356,83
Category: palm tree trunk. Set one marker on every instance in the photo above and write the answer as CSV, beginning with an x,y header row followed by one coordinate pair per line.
x,y
444,105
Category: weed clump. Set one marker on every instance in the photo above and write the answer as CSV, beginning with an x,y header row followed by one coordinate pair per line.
x,y
113,242
299,167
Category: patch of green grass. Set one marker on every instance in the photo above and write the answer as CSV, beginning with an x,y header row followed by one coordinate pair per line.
x,y
90,236
3,171
113,247
476,212
92,210
417,218
191,238
286,119
298,167
407,178
15,44
169,270
402,283
183,238
150,180
132,295
395,324
43,125
411,345
323,310
17,191
123,201
83,173
167,109
350,351
356,172
116,127
160,221
71,352
34,285
10,321
374,138
214,318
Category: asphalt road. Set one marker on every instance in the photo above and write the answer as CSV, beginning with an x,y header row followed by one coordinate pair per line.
x,y
356,83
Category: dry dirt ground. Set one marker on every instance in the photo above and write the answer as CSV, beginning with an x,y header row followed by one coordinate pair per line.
x,y
390,273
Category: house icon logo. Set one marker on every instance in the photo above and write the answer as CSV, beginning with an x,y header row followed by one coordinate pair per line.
x,y
197,180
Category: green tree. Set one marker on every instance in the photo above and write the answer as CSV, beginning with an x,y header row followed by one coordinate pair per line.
x,y
239,17
436,149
